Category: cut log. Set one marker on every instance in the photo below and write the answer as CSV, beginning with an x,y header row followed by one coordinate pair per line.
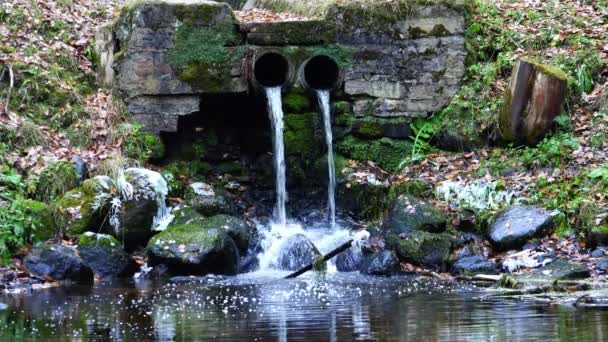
x,y
325,258
535,96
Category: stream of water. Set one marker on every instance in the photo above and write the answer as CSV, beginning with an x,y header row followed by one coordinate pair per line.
x,y
275,110
324,104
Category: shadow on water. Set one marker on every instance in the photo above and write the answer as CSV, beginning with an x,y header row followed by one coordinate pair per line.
x,y
257,307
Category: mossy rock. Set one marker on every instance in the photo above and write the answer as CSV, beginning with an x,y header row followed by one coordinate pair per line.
x,y
386,152
300,135
238,229
423,248
296,101
597,236
55,180
78,211
105,255
370,201
41,213
407,214
195,248
319,171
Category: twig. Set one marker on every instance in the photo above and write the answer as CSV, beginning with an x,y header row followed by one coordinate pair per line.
x,y
330,255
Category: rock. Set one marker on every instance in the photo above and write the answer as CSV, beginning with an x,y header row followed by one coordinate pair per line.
x,y
58,262
42,213
196,248
55,180
238,229
423,248
79,210
560,269
598,253
203,199
349,260
380,264
407,214
597,236
296,252
513,227
602,265
105,255
81,168
475,264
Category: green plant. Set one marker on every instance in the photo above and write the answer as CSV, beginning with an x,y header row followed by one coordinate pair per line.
x,y
424,131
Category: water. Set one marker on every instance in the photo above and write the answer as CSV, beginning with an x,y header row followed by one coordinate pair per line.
x,y
323,96
339,307
275,110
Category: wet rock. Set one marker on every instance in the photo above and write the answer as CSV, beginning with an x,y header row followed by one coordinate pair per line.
x,y
423,248
105,255
513,227
598,253
560,269
296,252
407,214
598,235
350,260
203,199
602,265
475,264
199,247
88,208
380,264
58,262
238,229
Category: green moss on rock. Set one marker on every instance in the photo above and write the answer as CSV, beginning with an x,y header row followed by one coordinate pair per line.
x,y
300,138
93,240
296,101
76,212
42,214
386,152
55,180
423,248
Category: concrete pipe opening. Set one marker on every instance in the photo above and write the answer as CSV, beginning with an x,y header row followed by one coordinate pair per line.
x,y
271,70
321,73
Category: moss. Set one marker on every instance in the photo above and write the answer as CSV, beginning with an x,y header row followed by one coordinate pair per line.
x,y
188,234
423,248
386,152
234,168
55,180
75,210
300,138
343,107
40,212
548,69
343,56
296,101
319,265
91,240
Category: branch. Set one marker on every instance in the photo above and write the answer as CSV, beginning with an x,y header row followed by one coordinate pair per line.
x,y
326,257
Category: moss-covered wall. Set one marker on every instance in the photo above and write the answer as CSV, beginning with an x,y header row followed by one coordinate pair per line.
x,y
398,60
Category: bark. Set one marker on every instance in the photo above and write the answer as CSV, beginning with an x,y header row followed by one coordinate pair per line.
x,y
534,98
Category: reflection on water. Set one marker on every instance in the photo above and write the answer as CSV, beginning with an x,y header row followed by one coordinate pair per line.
x,y
339,307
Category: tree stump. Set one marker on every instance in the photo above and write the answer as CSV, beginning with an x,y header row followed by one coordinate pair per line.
x,y
534,98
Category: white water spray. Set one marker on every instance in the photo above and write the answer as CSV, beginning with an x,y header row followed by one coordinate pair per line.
x,y
275,110
323,96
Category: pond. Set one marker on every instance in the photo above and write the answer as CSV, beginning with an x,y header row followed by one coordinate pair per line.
x,y
261,307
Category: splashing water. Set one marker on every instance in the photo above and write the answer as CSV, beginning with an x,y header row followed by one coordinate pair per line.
x,y
323,96
275,110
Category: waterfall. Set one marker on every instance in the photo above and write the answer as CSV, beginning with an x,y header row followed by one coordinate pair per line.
x,y
323,96
275,110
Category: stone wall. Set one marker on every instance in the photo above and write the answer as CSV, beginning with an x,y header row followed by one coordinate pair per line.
x,y
394,68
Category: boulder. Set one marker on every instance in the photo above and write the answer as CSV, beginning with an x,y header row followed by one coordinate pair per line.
x,y
105,255
513,227
58,262
407,214
560,269
350,260
238,229
203,199
602,265
474,264
423,248
195,248
128,207
42,213
380,264
296,252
